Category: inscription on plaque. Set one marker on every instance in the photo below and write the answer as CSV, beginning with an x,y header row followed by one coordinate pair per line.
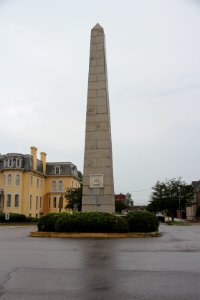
x,y
96,181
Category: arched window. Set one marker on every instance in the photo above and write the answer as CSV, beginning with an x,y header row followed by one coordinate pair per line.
x,y
9,179
18,163
10,162
60,186
17,179
53,186
57,170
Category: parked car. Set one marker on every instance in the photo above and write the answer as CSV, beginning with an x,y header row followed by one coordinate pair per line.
x,y
160,217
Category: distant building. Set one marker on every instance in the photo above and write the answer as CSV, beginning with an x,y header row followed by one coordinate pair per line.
x,y
120,197
191,211
33,186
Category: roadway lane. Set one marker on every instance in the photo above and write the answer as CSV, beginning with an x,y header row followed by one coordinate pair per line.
x,y
166,267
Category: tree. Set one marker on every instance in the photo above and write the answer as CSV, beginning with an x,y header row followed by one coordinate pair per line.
x,y
129,200
74,195
126,204
119,206
170,195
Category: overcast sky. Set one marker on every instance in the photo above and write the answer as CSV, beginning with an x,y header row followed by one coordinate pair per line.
x,y
153,60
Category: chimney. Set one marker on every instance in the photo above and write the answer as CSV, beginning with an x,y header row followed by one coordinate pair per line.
x,y
43,159
34,155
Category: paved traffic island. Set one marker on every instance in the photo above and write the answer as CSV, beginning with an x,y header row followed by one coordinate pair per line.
x,y
93,234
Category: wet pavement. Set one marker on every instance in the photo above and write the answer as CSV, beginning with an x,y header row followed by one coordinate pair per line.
x,y
166,267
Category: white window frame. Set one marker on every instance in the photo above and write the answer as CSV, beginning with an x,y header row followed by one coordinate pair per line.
x,y
60,185
10,199
16,200
53,186
17,179
9,179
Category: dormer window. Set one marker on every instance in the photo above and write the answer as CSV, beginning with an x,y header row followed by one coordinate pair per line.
x,y
10,162
57,170
18,163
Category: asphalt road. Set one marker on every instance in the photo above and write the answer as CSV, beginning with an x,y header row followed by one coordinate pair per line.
x,y
166,267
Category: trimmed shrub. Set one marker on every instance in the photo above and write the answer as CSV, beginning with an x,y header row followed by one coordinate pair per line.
x,y
47,222
142,221
14,218
91,222
2,217
198,212
31,219
17,218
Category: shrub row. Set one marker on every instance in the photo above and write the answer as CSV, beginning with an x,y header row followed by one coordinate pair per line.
x,y
13,217
98,222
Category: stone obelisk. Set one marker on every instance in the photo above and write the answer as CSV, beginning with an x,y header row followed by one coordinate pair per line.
x,y
98,187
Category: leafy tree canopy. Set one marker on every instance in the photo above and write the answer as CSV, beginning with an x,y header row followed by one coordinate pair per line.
x,y
74,195
170,195
129,200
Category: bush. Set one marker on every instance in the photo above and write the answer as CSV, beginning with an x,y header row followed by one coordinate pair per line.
x,y
2,217
14,218
91,222
198,212
47,222
142,221
31,219
17,218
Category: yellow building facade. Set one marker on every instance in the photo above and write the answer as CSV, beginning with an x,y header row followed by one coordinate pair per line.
x,y
32,186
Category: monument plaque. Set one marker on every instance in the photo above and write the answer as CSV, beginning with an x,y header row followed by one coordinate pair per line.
x,y
98,187
96,181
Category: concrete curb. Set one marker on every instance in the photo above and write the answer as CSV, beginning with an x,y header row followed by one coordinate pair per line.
x,y
92,235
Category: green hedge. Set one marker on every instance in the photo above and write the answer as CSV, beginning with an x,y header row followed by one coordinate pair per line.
x,y
142,221
198,212
47,222
14,218
137,221
90,222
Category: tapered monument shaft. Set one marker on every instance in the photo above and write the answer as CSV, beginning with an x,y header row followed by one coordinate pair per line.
x,y
98,187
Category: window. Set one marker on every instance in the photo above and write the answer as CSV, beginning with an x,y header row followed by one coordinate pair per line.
x,y
37,182
40,202
10,162
60,186
18,163
49,202
14,162
16,200
57,170
8,200
53,188
41,183
31,180
30,202
54,202
36,202
17,179
9,179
